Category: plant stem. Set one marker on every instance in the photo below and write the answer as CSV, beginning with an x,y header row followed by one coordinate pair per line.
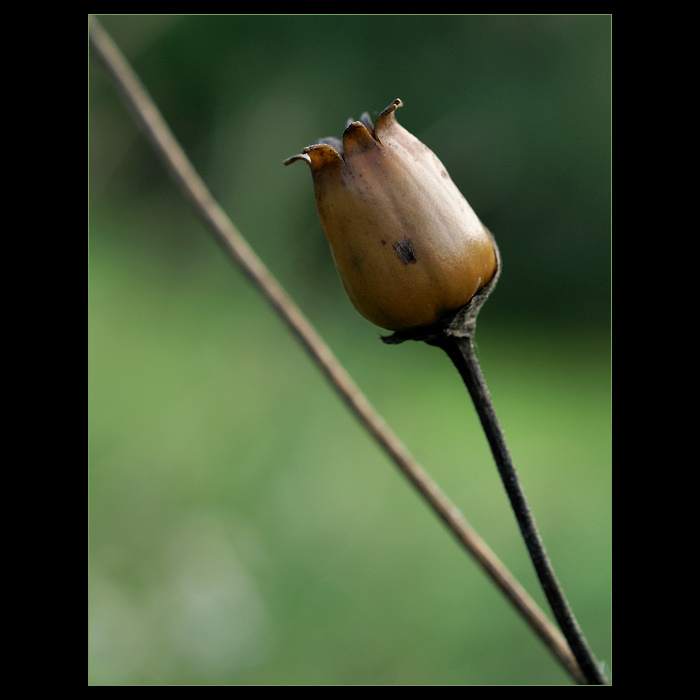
x,y
461,351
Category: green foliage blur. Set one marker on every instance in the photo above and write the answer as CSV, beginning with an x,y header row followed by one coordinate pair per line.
x,y
243,529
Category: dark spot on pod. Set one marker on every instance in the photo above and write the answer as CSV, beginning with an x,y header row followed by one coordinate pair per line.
x,y
404,249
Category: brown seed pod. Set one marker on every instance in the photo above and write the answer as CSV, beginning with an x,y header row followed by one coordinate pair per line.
x,y
408,247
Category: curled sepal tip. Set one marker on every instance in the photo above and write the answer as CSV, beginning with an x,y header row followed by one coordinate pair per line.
x,y
318,156
299,156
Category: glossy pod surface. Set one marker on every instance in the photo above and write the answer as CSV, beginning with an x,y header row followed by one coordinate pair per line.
x,y
408,247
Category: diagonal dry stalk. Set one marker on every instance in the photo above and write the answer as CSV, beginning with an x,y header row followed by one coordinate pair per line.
x,y
156,130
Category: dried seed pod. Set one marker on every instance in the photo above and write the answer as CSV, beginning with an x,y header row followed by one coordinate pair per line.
x,y
408,247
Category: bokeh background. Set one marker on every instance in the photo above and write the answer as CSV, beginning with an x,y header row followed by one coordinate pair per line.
x,y
243,529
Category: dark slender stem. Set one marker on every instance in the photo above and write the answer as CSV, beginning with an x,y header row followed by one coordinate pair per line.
x,y
461,352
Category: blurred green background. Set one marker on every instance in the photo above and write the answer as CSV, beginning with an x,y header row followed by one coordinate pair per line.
x,y
242,527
